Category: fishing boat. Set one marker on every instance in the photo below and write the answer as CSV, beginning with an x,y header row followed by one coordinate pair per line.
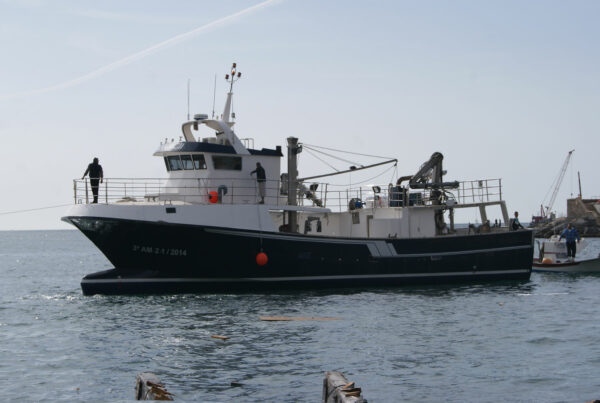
x,y
553,257
209,226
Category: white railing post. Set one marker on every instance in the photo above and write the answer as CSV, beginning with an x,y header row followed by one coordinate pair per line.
x,y
106,191
500,187
347,199
87,197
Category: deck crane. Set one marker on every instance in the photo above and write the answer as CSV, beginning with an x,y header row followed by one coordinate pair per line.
x,y
546,209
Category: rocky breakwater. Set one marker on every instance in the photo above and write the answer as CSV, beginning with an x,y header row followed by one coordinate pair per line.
x,y
584,214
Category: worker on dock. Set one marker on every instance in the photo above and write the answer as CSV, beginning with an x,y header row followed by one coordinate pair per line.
x,y
570,234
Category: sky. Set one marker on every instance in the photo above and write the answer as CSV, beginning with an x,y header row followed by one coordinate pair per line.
x,y
503,89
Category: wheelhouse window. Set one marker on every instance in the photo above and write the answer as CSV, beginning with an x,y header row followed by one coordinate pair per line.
x,y
174,163
226,162
199,162
186,161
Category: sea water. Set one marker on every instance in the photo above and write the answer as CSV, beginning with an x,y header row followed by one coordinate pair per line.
x,y
533,341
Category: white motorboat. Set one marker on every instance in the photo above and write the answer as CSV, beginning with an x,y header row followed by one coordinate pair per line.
x,y
553,257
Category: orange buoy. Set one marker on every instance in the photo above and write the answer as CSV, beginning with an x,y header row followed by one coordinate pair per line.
x,y
262,259
546,260
213,197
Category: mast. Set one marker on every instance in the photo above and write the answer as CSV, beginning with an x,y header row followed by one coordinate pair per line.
x,y
235,75
224,127
293,151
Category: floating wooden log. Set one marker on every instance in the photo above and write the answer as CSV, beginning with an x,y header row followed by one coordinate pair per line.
x,y
337,389
219,337
288,318
149,387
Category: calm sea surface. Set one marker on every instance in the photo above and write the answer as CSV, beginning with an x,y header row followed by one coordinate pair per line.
x,y
536,341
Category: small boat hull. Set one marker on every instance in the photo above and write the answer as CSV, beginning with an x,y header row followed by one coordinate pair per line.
x,y
581,266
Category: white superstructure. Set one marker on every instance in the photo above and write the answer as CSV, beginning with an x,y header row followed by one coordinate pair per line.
x,y
210,183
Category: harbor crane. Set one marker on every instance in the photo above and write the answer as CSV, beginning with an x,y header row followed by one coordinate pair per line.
x,y
545,210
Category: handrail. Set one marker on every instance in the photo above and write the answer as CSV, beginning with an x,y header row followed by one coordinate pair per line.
x,y
246,191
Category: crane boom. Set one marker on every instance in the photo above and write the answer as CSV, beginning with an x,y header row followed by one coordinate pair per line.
x,y
559,180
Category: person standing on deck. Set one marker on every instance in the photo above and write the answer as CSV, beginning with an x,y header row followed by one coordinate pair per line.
x,y
96,177
261,178
516,224
570,234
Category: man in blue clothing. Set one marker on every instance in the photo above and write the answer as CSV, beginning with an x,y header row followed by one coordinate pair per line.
x,y
570,234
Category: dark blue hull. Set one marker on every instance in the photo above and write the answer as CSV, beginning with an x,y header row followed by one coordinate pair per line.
x,y
155,257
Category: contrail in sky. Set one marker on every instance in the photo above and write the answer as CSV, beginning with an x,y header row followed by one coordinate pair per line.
x,y
141,54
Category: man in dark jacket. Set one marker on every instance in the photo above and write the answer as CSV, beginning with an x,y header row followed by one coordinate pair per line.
x,y
96,177
261,178
571,235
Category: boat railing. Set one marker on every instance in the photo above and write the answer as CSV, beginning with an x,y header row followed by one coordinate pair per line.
x,y
246,191
474,192
180,190
479,191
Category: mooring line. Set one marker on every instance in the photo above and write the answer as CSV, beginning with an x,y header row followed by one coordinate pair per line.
x,y
35,209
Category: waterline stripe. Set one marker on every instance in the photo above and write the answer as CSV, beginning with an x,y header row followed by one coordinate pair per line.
x,y
300,278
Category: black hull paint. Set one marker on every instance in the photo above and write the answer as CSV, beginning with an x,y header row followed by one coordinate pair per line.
x,y
158,257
